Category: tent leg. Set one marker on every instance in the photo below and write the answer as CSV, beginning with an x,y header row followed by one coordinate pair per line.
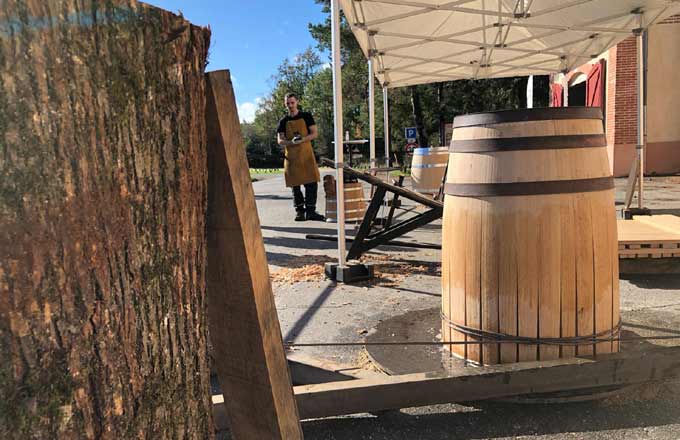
x,y
371,112
637,170
386,124
337,114
640,147
341,272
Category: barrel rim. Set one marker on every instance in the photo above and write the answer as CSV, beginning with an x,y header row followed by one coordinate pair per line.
x,y
526,115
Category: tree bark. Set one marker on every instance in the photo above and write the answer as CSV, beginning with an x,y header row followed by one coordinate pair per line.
x,y
103,184
417,109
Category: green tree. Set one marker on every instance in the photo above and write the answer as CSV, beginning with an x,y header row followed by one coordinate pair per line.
x,y
428,106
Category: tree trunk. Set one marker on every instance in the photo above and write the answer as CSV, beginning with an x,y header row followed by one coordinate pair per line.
x,y
103,184
418,117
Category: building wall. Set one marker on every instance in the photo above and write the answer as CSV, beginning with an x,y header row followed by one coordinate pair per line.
x,y
663,100
663,97
624,119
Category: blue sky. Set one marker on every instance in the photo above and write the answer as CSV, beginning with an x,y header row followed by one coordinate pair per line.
x,y
250,38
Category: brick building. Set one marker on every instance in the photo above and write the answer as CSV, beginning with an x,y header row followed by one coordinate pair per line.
x,y
609,81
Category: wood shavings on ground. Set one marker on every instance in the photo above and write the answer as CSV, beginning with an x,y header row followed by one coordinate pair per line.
x,y
365,363
389,272
300,268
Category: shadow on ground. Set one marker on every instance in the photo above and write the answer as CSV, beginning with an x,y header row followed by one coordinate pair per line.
x,y
491,420
296,261
655,281
273,197
300,229
299,243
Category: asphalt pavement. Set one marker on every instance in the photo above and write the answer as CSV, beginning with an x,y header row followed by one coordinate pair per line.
x,y
323,311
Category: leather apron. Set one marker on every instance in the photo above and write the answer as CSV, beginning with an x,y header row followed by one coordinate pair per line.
x,y
300,164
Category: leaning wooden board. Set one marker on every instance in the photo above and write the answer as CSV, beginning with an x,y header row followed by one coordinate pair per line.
x,y
244,327
656,236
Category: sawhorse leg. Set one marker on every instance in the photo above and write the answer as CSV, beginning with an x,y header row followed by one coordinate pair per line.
x,y
395,200
367,222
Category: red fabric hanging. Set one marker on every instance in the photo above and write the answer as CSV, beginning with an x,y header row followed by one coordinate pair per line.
x,y
556,95
594,88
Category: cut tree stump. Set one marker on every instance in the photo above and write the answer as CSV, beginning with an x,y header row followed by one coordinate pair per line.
x,y
103,184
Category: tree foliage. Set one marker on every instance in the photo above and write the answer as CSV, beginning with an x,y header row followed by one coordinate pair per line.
x,y
427,106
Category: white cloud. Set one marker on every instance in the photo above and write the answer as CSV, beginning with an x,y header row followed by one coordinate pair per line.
x,y
247,110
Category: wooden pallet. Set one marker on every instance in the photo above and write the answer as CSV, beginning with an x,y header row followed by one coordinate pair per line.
x,y
656,236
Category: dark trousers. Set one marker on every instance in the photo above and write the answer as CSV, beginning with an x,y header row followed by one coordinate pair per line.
x,y
305,202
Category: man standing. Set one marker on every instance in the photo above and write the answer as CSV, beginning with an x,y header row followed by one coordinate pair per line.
x,y
295,133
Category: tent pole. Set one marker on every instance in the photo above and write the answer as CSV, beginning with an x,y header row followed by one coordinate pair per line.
x,y
386,125
337,115
371,112
530,91
640,147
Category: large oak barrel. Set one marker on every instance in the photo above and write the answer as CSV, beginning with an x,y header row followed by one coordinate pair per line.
x,y
427,169
355,203
529,249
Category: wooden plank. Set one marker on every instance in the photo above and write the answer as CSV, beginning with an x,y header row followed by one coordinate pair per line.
x,y
648,251
446,270
568,240
244,327
507,279
616,297
458,261
490,242
473,300
601,211
665,222
649,229
550,274
527,275
403,192
470,384
585,288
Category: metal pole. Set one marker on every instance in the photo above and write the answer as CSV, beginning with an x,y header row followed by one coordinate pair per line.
x,y
530,92
640,147
386,124
371,112
337,115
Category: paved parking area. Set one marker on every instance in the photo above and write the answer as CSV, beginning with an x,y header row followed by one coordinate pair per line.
x,y
318,310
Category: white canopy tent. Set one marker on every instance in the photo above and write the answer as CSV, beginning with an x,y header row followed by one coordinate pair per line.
x,y
410,42
424,41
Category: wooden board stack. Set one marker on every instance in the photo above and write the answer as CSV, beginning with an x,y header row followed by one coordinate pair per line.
x,y
656,236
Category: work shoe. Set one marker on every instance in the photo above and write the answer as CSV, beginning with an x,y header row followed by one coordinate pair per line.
x,y
300,216
313,215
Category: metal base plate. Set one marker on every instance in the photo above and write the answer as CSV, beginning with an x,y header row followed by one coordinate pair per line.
x,y
352,272
629,213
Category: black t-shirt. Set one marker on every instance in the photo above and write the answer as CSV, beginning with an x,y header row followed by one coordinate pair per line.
x,y
308,118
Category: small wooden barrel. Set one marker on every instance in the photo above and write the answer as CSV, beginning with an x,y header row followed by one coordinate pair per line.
x,y
355,204
529,242
427,169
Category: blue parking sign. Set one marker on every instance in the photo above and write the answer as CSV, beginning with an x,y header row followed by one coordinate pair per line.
x,y
410,133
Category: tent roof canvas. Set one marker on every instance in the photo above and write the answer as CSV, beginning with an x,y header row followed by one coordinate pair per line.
x,y
424,41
